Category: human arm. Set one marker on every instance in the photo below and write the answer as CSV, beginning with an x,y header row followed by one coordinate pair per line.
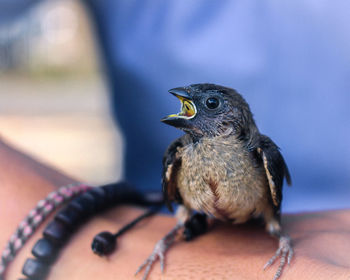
x,y
321,239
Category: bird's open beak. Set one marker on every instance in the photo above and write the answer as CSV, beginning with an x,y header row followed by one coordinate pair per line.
x,y
188,108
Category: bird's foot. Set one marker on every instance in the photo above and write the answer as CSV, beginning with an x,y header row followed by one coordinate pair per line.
x,y
195,226
285,251
159,252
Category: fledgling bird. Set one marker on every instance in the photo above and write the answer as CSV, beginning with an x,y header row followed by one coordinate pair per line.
x,y
222,166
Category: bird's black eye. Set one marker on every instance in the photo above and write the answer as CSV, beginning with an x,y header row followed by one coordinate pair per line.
x,y
212,103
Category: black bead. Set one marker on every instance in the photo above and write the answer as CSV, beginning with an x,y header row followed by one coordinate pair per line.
x,y
111,192
84,203
119,192
104,243
45,250
35,269
99,194
70,216
57,232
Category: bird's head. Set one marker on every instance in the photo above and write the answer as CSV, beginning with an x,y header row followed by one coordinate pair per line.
x,y
211,110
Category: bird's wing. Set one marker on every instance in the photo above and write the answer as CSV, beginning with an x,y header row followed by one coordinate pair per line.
x,y
171,166
275,167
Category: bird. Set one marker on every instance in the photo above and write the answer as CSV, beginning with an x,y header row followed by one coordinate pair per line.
x,y
222,167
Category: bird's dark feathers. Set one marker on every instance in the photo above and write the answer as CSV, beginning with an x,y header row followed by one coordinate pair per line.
x,y
275,167
171,166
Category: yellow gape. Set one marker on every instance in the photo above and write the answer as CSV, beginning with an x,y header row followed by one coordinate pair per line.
x,y
188,109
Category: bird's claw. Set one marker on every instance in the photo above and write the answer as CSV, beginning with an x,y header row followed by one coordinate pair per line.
x,y
158,253
285,251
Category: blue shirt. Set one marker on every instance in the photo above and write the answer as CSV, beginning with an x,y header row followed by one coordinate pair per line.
x,y
289,59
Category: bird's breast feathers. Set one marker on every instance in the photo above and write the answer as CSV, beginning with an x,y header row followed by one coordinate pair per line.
x,y
218,177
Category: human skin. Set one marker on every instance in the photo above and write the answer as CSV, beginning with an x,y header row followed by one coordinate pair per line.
x,y
321,239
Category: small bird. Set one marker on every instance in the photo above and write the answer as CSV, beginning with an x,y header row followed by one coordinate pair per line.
x,y
222,167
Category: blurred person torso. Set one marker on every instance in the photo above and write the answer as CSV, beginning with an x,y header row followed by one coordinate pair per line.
x,y
290,61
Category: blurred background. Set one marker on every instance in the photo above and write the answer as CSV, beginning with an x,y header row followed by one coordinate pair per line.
x,y
67,67
53,100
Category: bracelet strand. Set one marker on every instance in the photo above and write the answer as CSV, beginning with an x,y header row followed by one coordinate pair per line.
x,y
34,219
66,221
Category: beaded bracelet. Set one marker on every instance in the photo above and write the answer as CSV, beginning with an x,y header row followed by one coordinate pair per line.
x,y
68,220
36,217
